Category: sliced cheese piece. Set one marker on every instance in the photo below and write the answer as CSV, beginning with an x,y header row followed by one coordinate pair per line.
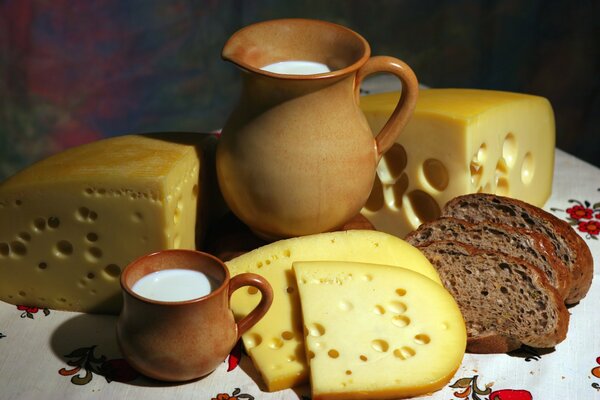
x,y
275,343
376,331
459,141
70,223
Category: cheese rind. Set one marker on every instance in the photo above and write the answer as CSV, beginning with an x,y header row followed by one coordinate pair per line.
x,y
70,223
275,343
459,141
375,331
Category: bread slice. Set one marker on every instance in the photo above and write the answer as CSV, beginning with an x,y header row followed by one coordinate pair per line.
x,y
505,301
569,246
527,245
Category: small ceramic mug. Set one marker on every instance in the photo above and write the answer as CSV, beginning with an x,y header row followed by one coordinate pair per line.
x,y
183,340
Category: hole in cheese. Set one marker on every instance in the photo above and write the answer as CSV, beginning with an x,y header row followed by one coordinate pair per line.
x,y
397,307
333,353
380,345
363,358
18,248
22,293
53,222
253,340
401,292
424,206
94,253
112,271
348,372
4,249
502,187
287,335
395,160
39,224
90,275
401,321
527,169
510,149
436,174
422,338
42,265
275,343
375,201
64,248
18,202
252,290
91,237
399,189
367,277
346,305
404,352
24,236
379,310
316,330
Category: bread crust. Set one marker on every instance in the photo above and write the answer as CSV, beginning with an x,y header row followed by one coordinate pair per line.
x,y
493,341
581,268
478,235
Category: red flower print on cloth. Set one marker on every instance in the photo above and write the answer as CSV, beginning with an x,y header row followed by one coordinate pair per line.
x,y
84,359
234,358
27,311
584,215
580,212
596,373
235,395
591,227
469,389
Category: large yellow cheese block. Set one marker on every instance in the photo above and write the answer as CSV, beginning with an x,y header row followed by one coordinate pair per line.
x,y
70,223
459,141
376,331
276,343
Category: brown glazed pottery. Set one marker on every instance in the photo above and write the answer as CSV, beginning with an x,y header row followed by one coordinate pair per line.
x,y
184,340
296,155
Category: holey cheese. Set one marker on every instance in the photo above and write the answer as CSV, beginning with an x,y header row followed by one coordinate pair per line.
x,y
459,141
70,223
276,342
375,331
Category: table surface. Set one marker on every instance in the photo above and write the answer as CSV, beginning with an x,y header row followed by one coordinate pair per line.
x,y
63,355
48,354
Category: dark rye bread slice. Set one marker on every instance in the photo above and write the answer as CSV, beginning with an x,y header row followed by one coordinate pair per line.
x,y
506,302
569,246
527,245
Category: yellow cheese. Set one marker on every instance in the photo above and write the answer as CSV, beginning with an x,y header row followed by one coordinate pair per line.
x,y
459,141
275,343
375,331
70,223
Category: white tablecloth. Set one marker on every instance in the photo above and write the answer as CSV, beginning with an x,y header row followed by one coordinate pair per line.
x,y
47,354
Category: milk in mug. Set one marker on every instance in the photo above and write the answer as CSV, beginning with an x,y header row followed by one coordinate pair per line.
x,y
297,67
174,285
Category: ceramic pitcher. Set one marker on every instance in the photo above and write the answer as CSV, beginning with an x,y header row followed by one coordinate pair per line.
x,y
296,155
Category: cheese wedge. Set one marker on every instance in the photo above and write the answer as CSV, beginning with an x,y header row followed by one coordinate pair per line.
x,y
459,141
376,331
276,343
70,223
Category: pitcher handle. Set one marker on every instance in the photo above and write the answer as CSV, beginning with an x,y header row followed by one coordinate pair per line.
x,y
257,281
406,105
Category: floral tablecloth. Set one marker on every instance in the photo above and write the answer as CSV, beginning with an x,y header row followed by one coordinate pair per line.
x,y
48,354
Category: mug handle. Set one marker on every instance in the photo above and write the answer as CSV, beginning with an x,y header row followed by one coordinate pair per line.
x,y
257,281
406,105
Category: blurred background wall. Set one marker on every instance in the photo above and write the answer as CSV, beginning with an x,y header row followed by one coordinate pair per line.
x,y
76,71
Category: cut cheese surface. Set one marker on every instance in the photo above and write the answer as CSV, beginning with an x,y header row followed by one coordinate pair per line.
x,y
70,223
276,343
459,141
375,331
